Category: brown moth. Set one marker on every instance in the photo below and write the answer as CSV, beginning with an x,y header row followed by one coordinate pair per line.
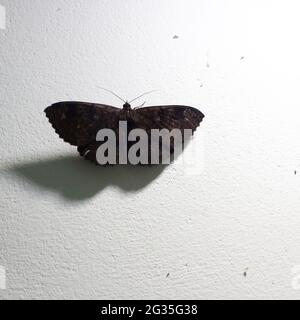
x,y
79,122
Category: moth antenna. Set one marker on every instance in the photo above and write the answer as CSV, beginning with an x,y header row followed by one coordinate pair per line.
x,y
140,105
142,95
110,91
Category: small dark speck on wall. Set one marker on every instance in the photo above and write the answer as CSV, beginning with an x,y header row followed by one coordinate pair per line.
x,y
242,58
168,275
175,37
295,172
245,272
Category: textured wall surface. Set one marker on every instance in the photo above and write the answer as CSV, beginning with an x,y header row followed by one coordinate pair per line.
x,y
71,230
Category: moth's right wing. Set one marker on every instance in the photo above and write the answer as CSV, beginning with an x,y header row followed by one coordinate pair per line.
x,y
169,117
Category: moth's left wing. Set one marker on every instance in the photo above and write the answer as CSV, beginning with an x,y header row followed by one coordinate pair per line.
x,y
78,122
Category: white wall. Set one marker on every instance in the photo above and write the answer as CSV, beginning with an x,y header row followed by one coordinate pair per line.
x,y
71,230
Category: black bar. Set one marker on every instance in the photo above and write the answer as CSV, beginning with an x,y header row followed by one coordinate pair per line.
x,y
145,309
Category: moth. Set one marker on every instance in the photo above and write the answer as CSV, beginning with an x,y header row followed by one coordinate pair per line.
x,y
78,123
